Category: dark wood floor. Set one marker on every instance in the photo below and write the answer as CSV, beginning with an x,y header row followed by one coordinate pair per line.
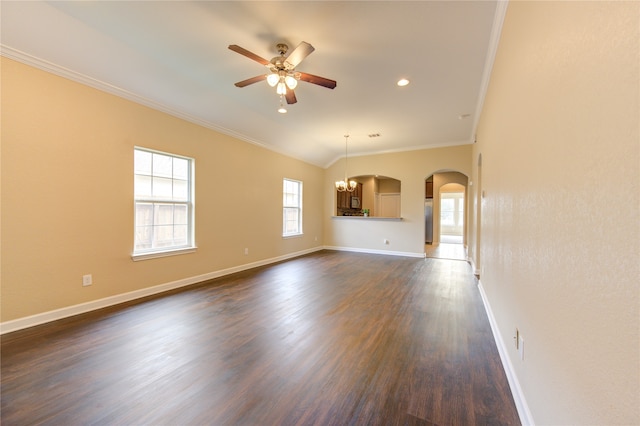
x,y
329,338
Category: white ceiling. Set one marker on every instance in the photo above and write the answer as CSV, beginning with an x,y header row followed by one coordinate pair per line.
x,y
173,56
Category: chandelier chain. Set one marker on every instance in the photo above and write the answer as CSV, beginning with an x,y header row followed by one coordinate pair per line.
x,y
346,185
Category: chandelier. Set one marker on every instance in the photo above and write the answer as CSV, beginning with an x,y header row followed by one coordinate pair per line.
x,y
346,185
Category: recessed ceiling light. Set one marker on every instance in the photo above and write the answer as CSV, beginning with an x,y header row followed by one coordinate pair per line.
x,y
403,82
282,110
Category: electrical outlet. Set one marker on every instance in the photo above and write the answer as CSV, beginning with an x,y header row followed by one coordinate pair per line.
x,y
87,280
246,251
386,241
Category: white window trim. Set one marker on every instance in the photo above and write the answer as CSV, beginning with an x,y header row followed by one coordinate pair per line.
x,y
287,236
176,250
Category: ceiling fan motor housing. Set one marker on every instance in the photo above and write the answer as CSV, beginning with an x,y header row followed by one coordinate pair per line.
x,y
282,48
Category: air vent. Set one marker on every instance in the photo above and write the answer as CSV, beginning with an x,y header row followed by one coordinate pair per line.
x,y
374,135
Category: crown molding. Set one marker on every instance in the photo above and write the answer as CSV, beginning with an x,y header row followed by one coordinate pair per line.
x,y
494,41
406,149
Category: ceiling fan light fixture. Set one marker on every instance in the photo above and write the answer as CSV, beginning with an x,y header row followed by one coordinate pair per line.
x,y
291,82
282,88
273,79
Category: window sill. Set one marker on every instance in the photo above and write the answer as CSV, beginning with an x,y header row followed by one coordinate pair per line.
x,y
284,237
157,254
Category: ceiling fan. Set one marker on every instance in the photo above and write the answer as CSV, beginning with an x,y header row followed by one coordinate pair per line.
x,y
282,73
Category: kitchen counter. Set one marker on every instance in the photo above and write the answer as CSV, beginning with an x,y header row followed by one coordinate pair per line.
x,y
368,218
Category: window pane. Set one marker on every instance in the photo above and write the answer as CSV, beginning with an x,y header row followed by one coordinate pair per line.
x,y
180,235
292,215
144,214
447,204
163,214
291,221
162,165
180,190
163,236
181,168
142,162
143,237
162,188
180,214
142,186
447,219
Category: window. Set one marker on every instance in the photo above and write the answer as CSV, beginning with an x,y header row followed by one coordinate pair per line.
x,y
452,213
292,207
163,192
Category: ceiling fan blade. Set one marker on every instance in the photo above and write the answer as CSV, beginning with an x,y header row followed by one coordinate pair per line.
x,y
320,81
301,51
290,96
250,55
251,80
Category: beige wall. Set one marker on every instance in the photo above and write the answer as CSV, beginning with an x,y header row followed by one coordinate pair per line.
x,y
559,137
67,195
387,186
411,169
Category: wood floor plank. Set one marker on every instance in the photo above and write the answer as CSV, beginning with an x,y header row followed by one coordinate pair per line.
x,y
330,338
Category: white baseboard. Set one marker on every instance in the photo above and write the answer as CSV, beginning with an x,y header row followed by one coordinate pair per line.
x,y
372,251
518,396
475,270
33,320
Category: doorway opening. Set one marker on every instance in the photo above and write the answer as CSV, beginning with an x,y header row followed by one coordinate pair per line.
x,y
452,214
445,216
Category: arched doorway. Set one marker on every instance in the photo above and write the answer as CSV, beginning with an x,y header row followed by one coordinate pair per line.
x,y
446,183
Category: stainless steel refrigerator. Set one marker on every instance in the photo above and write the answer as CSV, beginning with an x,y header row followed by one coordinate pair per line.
x,y
428,220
